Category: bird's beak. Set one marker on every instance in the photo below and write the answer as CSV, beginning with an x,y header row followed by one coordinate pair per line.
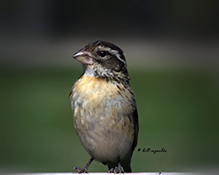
x,y
84,57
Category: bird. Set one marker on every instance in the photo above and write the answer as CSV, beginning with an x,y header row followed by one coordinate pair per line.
x,y
104,107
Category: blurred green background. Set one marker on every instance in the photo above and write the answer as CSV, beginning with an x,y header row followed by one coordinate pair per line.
x,y
172,52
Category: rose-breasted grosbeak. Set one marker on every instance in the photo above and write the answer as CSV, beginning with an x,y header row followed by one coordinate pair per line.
x,y
104,108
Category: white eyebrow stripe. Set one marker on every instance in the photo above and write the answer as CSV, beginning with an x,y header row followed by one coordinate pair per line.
x,y
118,56
115,52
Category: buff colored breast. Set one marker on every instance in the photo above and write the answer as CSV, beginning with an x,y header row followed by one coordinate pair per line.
x,y
102,117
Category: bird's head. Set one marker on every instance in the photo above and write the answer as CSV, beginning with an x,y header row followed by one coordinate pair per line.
x,y
103,60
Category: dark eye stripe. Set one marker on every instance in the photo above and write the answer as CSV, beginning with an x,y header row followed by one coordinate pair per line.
x,y
117,52
103,53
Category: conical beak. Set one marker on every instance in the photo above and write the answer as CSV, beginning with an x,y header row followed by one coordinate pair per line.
x,y
84,57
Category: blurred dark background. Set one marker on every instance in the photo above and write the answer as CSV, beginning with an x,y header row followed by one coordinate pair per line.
x,y
172,52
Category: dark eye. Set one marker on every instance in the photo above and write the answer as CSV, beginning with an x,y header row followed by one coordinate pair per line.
x,y
102,53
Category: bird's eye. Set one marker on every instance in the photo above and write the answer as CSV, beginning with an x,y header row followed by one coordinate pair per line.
x,y
102,53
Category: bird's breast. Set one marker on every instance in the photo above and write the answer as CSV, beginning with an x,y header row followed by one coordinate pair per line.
x,y
102,112
92,93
